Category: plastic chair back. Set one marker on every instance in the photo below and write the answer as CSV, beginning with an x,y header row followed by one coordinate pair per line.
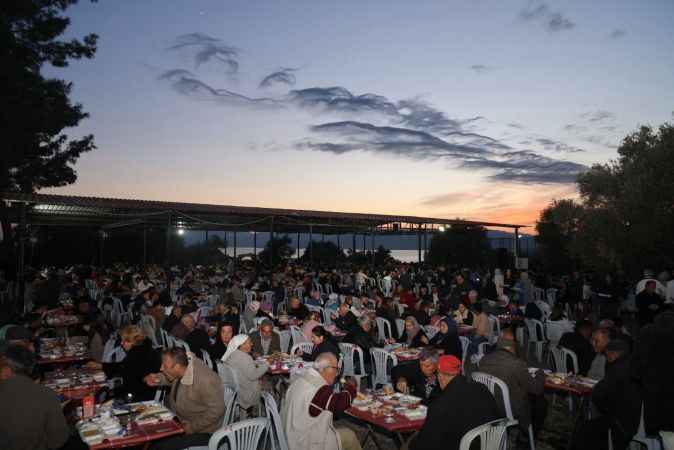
x,y
297,334
350,351
465,342
492,435
206,358
306,347
491,382
383,329
244,435
567,356
431,331
380,358
285,340
230,405
276,432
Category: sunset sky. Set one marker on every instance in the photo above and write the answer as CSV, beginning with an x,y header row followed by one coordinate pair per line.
x,y
481,109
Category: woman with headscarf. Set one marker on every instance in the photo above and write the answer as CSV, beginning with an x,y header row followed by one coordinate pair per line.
x,y
246,372
447,338
413,335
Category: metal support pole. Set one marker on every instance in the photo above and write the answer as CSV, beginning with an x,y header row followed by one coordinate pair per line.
x,y
339,245
144,246
101,246
234,245
419,243
255,244
311,246
168,242
372,246
364,244
298,245
425,244
271,242
516,247
21,275
353,245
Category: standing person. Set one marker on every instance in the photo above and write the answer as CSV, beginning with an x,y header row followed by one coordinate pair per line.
x,y
445,423
310,405
196,397
30,416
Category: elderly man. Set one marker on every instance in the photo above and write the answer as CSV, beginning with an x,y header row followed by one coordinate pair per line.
x,y
345,319
419,378
310,405
196,397
600,339
297,309
618,398
526,392
445,423
30,416
361,336
265,341
196,338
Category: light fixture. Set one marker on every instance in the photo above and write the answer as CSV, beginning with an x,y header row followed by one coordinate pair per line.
x,y
441,228
181,231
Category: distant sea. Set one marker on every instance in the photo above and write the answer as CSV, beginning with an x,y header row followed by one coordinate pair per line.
x,y
407,256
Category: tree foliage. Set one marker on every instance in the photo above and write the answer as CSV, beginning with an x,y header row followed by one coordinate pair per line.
x,y
323,254
460,245
626,208
279,249
557,230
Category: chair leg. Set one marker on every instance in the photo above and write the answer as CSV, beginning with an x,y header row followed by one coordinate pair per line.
x,y
532,442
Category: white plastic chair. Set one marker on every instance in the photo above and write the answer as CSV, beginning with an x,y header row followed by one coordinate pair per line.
x,y
306,347
534,328
554,330
431,331
380,358
650,442
206,358
284,336
297,335
230,405
491,382
400,325
277,434
465,342
244,435
147,324
492,435
349,369
495,328
383,329
183,344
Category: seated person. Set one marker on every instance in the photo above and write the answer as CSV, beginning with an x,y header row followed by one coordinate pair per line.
x,y
265,340
618,398
526,392
224,334
418,378
423,313
463,316
446,423
323,343
312,320
30,416
247,372
197,338
345,319
414,335
310,406
361,336
578,341
446,340
141,359
297,309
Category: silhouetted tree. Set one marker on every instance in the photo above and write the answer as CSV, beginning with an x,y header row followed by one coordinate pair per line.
x,y
280,251
557,230
324,254
460,245
36,110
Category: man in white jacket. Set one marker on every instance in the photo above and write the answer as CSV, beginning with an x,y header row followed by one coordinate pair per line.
x,y
309,407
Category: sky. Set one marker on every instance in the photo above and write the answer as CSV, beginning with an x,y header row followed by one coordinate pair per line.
x,y
480,109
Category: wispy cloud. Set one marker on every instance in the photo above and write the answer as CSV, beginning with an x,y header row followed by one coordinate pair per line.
x,y
618,33
513,166
553,21
185,83
285,75
204,49
598,116
482,69
516,125
552,145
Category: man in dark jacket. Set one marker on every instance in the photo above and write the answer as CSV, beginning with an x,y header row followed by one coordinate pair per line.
x,y
265,340
579,342
197,338
649,303
361,335
345,319
30,416
447,422
618,398
418,378
526,392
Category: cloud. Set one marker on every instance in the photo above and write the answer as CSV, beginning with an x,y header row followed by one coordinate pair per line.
x,y
598,116
512,165
284,75
204,49
481,68
339,99
185,83
618,33
557,22
553,145
574,128
516,125
553,21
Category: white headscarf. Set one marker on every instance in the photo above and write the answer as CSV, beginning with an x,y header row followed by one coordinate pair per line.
x,y
234,344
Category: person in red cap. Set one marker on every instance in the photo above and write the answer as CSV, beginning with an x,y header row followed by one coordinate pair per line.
x,y
461,407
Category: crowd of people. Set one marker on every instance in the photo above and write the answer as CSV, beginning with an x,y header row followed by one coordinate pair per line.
x,y
194,330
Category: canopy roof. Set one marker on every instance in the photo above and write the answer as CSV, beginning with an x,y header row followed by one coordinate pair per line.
x,y
110,213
